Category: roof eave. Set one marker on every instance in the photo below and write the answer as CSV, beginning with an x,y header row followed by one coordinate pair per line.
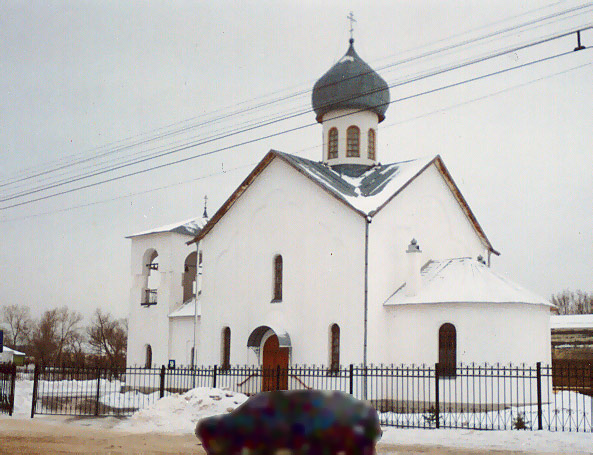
x,y
247,182
234,196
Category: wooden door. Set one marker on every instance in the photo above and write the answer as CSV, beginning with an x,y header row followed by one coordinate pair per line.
x,y
274,356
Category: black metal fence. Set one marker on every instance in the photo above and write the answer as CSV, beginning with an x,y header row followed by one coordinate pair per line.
x,y
7,382
487,397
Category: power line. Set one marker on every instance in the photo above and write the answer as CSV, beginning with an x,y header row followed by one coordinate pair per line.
x,y
389,125
258,106
258,139
301,112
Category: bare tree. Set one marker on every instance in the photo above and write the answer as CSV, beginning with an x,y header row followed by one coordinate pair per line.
x,y
18,320
56,333
108,337
569,302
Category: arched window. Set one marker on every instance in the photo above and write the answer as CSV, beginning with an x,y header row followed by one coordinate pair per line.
x,y
152,278
371,146
447,350
189,276
334,364
353,141
226,348
148,357
332,144
277,278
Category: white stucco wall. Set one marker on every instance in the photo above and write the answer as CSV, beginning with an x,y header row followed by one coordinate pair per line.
x,y
486,333
181,339
150,325
322,245
342,119
427,211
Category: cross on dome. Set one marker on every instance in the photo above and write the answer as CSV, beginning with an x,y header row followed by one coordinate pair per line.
x,y
350,17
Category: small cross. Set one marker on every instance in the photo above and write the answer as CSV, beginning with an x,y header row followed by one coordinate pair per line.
x,y
205,215
350,17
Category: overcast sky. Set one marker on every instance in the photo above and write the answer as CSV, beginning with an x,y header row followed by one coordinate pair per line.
x,y
103,83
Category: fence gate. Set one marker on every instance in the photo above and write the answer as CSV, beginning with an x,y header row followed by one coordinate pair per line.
x,y
7,380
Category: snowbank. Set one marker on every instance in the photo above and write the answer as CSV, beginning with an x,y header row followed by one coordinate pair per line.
x,y
180,413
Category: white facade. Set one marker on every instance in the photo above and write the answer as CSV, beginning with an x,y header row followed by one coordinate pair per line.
x,y
341,120
272,218
307,263
154,338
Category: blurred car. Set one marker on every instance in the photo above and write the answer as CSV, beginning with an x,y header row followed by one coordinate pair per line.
x,y
303,421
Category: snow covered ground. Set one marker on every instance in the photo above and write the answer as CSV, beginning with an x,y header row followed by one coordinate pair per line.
x,y
179,414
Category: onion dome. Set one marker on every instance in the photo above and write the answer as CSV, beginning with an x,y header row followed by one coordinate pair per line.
x,y
350,84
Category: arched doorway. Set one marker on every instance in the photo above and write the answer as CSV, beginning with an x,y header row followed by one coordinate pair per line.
x,y
274,366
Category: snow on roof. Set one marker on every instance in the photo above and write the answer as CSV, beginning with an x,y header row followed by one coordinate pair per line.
x,y
14,352
369,191
572,321
365,189
464,280
187,309
188,227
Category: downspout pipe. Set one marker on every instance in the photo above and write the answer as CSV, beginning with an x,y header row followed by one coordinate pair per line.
x,y
193,360
368,220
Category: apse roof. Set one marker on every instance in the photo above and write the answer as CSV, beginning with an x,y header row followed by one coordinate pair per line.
x,y
366,191
464,280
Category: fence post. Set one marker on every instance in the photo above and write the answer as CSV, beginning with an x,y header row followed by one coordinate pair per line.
x,y
162,383
436,396
35,385
98,396
540,425
214,376
351,379
11,396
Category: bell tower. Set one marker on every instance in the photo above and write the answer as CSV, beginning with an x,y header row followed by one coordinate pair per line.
x,y
350,100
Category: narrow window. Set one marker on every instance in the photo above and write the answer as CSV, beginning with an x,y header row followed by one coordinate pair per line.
x,y
148,357
353,141
153,279
335,348
277,278
192,353
447,350
226,348
332,144
371,148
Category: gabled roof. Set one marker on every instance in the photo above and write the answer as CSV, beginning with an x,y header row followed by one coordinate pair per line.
x,y
464,280
188,227
366,194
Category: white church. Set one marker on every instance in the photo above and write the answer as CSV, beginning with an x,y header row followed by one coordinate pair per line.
x,y
331,262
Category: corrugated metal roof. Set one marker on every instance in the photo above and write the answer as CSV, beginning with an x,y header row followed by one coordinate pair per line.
x,y
572,321
12,351
464,280
367,192
190,227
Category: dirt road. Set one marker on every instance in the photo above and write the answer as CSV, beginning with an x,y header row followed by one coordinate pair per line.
x,y
26,436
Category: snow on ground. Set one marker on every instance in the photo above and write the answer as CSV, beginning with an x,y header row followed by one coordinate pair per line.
x,y
179,414
517,440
